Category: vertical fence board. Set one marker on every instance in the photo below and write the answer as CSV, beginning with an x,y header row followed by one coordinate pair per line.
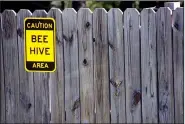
x,y
101,71
164,60
149,66
93,56
132,65
72,96
2,90
41,85
86,65
57,78
26,88
10,60
116,64
178,63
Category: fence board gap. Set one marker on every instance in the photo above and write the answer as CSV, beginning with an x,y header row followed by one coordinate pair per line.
x,y
109,68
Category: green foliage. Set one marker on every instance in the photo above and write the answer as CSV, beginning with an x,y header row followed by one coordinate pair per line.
x,y
94,4
136,5
102,4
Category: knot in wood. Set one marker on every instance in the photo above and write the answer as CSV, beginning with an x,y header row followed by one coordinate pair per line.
x,y
116,83
87,24
76,104
117,92
20,32
68,39
85,63
94,40
136,98
59,41
163,107
29,105
176,25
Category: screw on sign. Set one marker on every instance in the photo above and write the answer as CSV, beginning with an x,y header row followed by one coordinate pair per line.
x,y
39,44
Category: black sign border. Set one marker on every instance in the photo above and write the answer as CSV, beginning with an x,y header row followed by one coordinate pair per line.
x,y
54,46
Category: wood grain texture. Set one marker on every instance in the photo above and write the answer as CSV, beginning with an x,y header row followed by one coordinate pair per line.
x,y
132,65
84,23
41,85
116,64
149,66
26,87
57,78
109,68
164,60
11,67
72,95
101,67
178,63
2,88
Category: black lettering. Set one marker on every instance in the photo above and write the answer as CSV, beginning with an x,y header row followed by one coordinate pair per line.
x,y
33,37
44,39
47,51
32,50
41,50
39,37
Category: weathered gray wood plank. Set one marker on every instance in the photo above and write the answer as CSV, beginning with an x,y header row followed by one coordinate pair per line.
x,y
57,78
2,90
178,63
164,60
72,95
132,65
101,67
149,66
11,67
116,64
41,85
26,88
84,23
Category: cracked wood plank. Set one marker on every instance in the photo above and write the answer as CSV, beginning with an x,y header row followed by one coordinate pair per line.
x,y
101,67
86,65
178,63
56,82
116,64
26,91
132,65
164,60
41,86
71,72
149,66
11,67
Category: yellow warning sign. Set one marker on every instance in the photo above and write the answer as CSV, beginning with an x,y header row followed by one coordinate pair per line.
x,y
39,44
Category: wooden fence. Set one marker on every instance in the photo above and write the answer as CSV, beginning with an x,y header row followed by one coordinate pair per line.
x,y
118,67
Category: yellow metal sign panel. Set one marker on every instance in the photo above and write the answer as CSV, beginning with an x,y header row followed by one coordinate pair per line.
x,y
39,44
